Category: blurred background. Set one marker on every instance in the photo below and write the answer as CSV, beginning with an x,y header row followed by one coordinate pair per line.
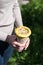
x,y
32,14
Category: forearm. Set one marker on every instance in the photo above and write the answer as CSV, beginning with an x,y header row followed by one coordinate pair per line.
x,y
17,14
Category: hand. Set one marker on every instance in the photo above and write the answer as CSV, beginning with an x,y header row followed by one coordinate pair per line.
x,y
11,39
20,47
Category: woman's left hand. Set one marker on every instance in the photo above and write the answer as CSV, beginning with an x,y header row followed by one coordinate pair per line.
x,y
24,47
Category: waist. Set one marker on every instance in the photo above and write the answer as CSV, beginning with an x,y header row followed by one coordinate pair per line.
x,y
7,29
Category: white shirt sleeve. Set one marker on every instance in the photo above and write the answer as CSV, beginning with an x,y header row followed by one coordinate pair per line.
x,y
17,14
3,36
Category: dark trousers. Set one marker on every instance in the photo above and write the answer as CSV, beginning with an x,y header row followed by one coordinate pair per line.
x,y
6,51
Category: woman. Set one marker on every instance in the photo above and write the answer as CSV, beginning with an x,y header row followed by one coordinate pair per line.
x,y
9,15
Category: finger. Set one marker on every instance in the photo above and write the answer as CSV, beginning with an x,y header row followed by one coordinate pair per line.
x,y
18,44
14,46
27,44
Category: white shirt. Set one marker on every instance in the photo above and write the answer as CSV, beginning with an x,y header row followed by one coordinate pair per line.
x,y
9,12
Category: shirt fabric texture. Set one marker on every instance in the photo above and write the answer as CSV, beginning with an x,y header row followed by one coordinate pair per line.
x,y
9,13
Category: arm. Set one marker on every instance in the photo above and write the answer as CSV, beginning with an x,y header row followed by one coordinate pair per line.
x,y
18,22
17,14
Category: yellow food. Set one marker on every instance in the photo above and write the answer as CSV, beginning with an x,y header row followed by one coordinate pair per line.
x,y
23,31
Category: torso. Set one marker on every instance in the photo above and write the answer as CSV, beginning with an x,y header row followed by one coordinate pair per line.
x,y
6,13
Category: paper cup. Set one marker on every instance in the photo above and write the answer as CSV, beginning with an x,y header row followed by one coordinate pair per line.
x,y
22,33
